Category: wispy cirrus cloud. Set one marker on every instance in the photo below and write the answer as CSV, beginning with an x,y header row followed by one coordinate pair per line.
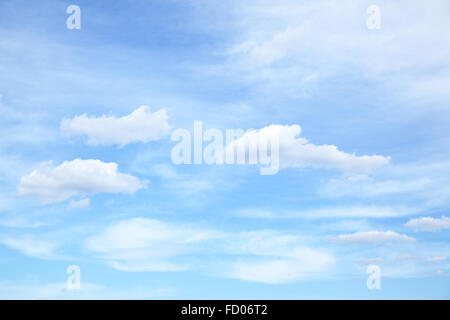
x,y
58,290
337,212
366,261
271,256
141,244
31,246
437,259
370,237
420,187
297,47
149,245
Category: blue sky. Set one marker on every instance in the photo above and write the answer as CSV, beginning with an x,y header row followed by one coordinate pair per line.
x,y
85,149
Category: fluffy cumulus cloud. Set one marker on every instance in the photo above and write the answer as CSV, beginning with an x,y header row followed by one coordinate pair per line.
x,y
429,223
370,237
295,151
142,125
141,244
76,178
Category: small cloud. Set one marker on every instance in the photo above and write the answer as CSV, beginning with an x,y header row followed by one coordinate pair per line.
x,y
80,204
368,261
429,224
436,259
164,171
77,177
141,125
406,257
439,272
370,237
256,213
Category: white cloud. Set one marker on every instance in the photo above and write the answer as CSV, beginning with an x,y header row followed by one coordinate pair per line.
x,y
164,171
348,225
429,223
31,246
141,244
142,265
406,257
436,259
357,211
58,290
257,213
367,187
330,212
400,260
367,261
16,221
420,186
370,237
274,257
80,204
141,125
298,152
283,43
281,270
76,177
